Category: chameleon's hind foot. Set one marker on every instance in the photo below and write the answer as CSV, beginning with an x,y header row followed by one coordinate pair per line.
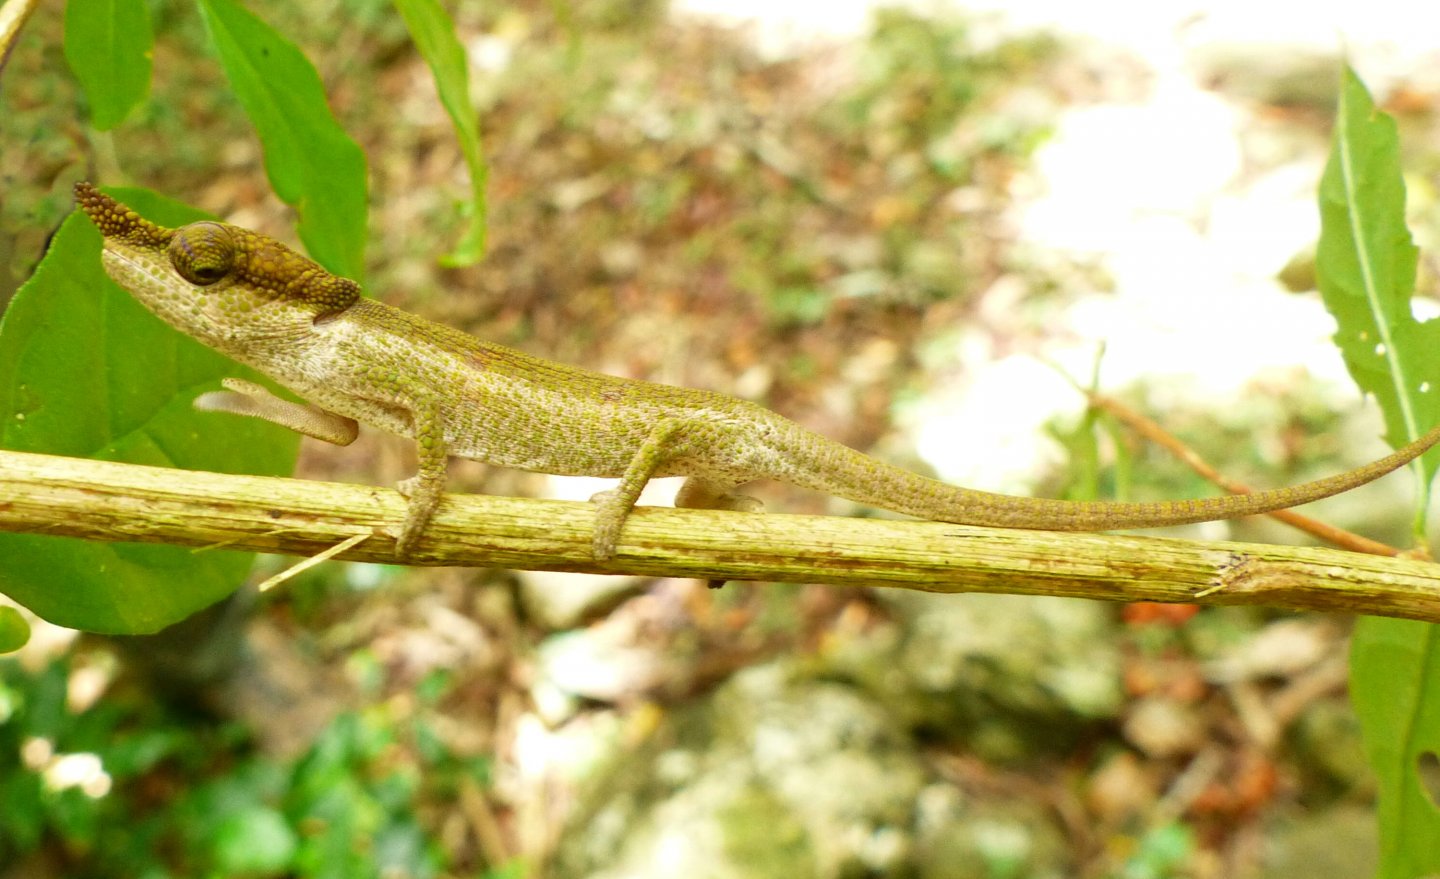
x,y
424,498
611,509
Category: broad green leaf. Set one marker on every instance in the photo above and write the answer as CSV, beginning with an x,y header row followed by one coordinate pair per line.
x,y
86,371
1366,270
312,163
108,45
1395,686
14,629
1366,263
434,35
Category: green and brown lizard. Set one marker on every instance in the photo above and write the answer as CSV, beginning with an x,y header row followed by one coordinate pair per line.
x,y
358,360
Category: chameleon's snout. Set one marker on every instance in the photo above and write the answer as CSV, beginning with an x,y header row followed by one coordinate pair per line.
x,y
115,220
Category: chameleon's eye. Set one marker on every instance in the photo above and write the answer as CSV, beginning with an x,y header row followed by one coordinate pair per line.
x,y
202,253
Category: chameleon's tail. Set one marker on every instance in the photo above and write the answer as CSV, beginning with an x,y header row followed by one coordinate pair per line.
x,y
832,468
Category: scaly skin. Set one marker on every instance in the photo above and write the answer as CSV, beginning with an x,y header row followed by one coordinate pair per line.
x,y
259,302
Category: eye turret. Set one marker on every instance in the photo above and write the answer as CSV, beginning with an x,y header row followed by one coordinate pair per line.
x,y
202,253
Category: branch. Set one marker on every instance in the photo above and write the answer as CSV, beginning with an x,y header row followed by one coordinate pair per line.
x,y
99,500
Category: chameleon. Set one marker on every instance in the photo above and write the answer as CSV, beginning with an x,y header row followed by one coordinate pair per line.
x,y
356,360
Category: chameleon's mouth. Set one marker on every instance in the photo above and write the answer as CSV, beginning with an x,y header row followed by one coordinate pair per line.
x,y
140,271
114,259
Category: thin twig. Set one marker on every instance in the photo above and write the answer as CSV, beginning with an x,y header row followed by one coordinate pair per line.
x,y
1168,441
311,562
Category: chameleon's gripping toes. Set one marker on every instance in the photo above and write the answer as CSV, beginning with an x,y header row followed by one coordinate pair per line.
x,y
357,360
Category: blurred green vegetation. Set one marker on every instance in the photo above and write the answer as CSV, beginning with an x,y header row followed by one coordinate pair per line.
x,y
132,786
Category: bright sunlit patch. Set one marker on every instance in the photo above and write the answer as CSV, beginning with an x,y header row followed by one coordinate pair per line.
x,y
83,771
1112,165
658,492
535,747
61,772
36,752
989,433
570,751
781,28
89,680
674,851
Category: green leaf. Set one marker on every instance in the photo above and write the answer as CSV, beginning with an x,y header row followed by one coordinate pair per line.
x,y
108,45
1366,271
434,35
1395,685
86,371
256,840
312,163
14,629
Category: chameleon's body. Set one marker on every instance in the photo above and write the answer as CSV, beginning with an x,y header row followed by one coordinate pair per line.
x,y
262,304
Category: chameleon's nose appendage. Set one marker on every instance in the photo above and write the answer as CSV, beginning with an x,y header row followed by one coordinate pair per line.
x,y
114,220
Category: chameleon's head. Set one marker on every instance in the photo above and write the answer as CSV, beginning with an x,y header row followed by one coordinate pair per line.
x,y
217,282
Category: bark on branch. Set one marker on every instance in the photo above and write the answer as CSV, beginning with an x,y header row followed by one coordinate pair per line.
x,y
99,500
